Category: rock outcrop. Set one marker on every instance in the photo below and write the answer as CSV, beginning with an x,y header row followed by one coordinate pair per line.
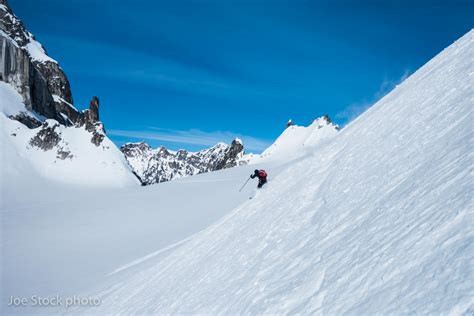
x,y
159,165
45,89
90,119
49,137
37,77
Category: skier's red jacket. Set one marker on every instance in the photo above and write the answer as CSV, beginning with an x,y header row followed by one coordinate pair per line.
x,y
261,174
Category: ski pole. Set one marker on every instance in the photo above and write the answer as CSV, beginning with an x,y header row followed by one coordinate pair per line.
x,y
244,184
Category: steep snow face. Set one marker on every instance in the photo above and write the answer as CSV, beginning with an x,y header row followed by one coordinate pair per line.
x,y
379,220
297,141
159,165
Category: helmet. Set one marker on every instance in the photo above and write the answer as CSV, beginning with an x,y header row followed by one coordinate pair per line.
x,y
256,170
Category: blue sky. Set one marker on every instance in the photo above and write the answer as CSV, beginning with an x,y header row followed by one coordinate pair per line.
x,y
187,74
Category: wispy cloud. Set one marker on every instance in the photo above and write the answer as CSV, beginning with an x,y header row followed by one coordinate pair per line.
x,y
129,64
145,68
355,109
191,137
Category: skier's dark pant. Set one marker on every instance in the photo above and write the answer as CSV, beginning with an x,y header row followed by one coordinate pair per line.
x,y
261,182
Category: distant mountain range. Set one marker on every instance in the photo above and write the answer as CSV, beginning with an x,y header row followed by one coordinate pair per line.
x,y
36,93
159,165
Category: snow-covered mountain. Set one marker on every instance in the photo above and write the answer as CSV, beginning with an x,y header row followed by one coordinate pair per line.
x,y
44,93
377,221
55,152
41,129
158,165
376,218
297,141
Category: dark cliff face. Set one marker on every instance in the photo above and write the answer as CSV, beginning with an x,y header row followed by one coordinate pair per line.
x,y
38,78
159,165
232,155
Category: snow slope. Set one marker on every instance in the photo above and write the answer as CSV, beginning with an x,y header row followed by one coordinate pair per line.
x,y
86,163
297,141
64,237
66,224
379,220
11,103
59,239
36,50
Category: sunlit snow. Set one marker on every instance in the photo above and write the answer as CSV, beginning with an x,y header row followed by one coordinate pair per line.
x,y
374,218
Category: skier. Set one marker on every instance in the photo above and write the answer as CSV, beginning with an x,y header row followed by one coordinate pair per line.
x,y
262,177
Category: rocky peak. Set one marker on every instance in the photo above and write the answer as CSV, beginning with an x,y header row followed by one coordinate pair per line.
x,y
37,77
181,154
45,89
90,116
162,152
159,165
233,154
325,120
12,26
129,149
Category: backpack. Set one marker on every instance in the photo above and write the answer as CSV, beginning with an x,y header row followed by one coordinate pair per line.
x,y
262,174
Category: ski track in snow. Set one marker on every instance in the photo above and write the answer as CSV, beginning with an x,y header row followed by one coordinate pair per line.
x,y
147,257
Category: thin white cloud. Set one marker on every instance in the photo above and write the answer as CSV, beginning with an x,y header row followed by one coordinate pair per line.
x,y
145,68
192,137
355,109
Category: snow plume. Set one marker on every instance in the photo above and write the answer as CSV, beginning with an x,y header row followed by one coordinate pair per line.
x,y
355,109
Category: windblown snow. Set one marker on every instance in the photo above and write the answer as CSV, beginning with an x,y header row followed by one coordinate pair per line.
x,y
374,218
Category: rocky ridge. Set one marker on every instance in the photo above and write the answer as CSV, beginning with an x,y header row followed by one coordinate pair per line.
x,y
159,165
41,82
